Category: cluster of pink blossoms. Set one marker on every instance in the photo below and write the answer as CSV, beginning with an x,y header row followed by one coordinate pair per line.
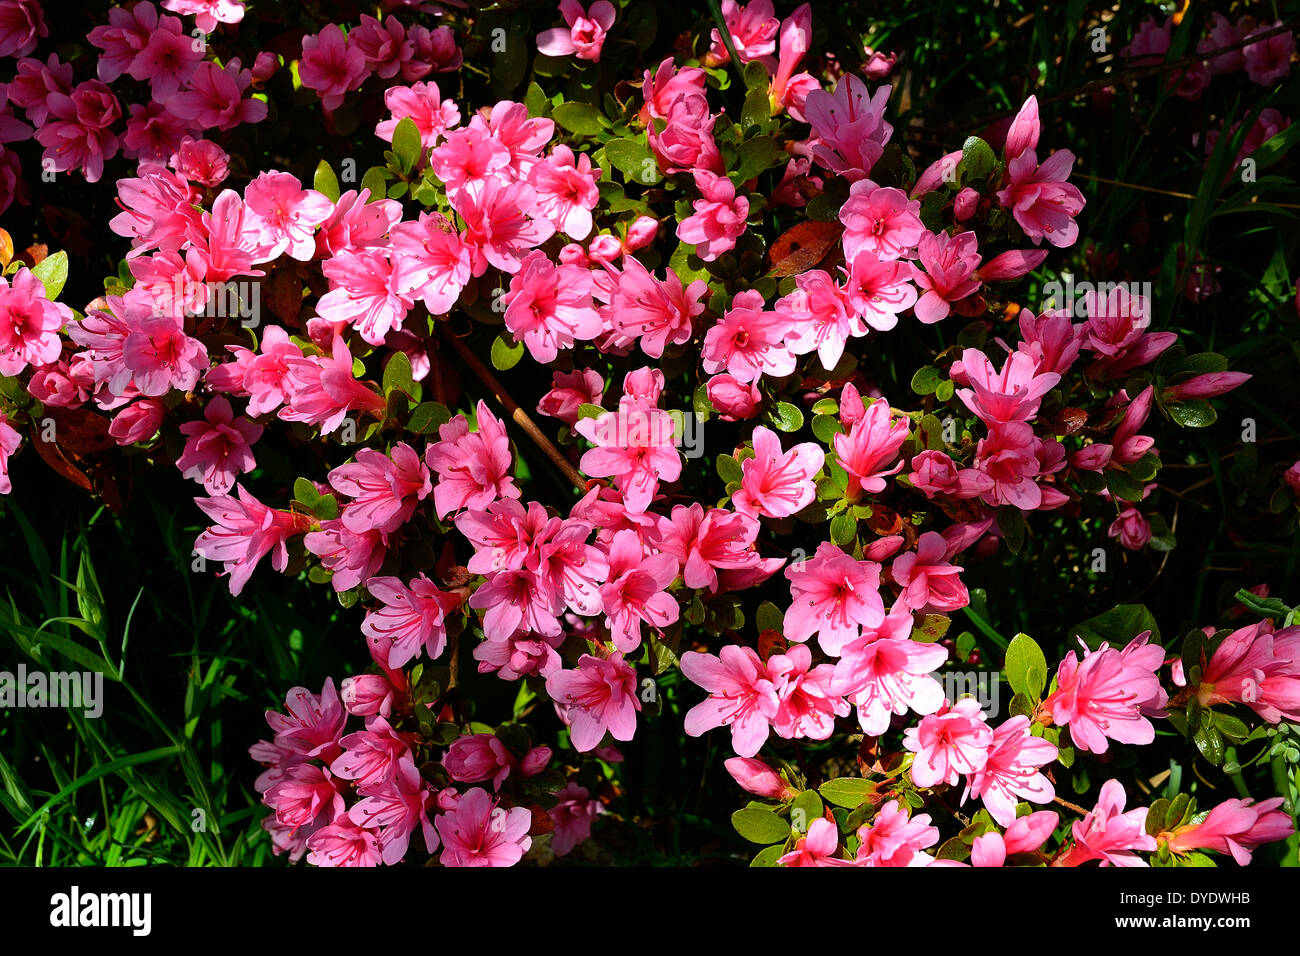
x,y
357,798
629,560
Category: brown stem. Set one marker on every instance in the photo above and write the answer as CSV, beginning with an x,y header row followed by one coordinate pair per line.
x,y
520,417
1071,806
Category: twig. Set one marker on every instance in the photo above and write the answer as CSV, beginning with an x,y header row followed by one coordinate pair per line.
x,y
520,417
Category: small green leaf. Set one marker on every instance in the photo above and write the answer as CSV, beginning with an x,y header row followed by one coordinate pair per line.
x,y
506,353
581,118
848,792
926,380
760,826
787,417
326,182
407,144
427,418
397,374
1026,667
844,529
53,273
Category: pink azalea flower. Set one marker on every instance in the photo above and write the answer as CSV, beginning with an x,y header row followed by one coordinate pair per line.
x,y
35,80
927,579
1011,771
473,469
849,126
22,24
215,98
344,844
245,532
569,390
1023,835
331,65
305,797
424,105
1051,339
167,59
138,421
1259,668
833,596
733,398
518,655
572,816
1234,826
748,341
1269,60
879,290
500,224
1131,529
819,318
1013,395
384,489
285,215
358,223
152,133
819,846
635,591
934,473
659,312
776,484
480,757
385,46
953,741
10,439
566,190
894,839
719,217
635,448
742,696
1041,200
686,143
477,832
322,390
523,135
29,324
1109,694
1008,458
549,307
884,672
1108,833
585,35
363,293
313,724
349,556
705,542
217,447
430,262
808,704
78,134
753,29
160,356
411,620
950,263
208,13
867,448
596,697
880,220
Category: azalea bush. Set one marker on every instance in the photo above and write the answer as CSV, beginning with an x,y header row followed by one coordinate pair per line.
x,y
760,434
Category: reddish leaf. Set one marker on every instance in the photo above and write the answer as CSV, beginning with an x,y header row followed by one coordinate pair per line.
x,y
802,247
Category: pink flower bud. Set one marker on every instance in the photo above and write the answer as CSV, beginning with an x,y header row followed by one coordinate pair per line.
x,y
1205,386
758,778
367,695
641,233
966,204
604,248
1012,264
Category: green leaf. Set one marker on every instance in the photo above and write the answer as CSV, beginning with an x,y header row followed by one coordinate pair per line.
x,y
787,417
1118,626
760,826
926,380
825,427
769,617
848,792
633,159
397,374
769,855
729,469
506,353
808,806
406,143
844,529
536,101
376,180
1198,413
757,155
581,118
977,160
757,108
326,182
1026,667
53,273
427,418
588,410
